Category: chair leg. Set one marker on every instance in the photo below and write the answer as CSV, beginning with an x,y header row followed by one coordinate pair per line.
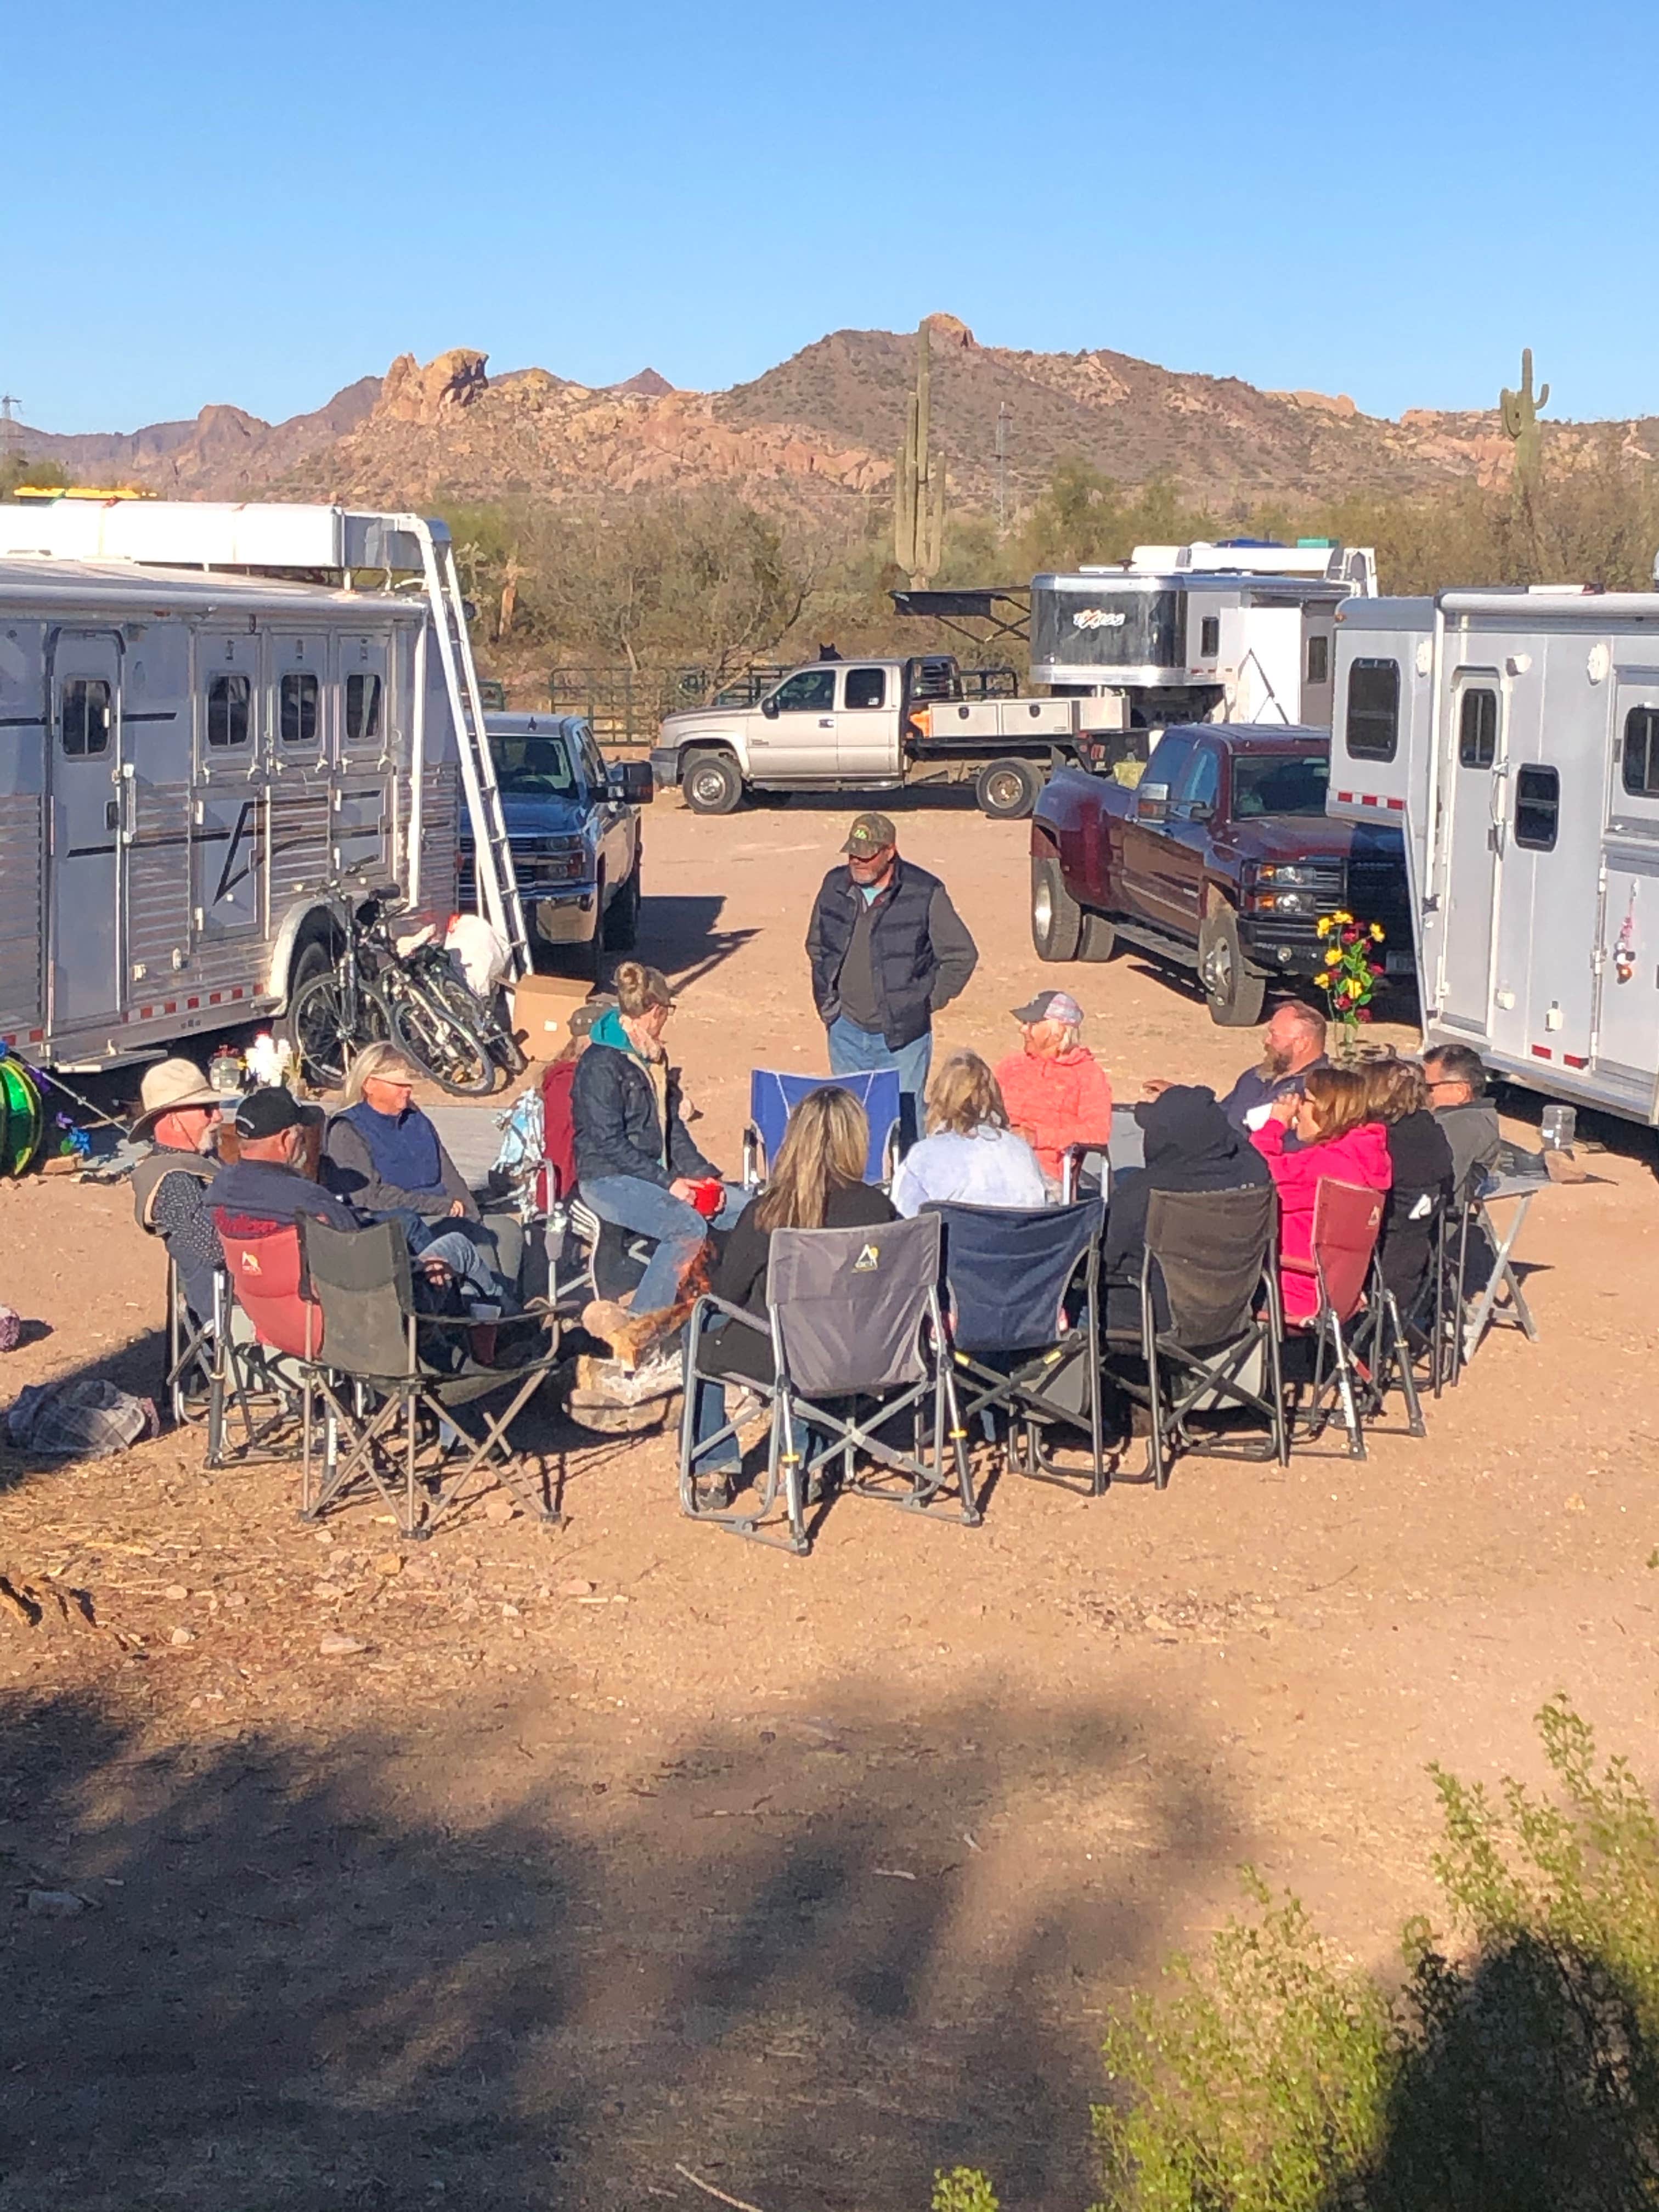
x,y
1344,1375
1402,1352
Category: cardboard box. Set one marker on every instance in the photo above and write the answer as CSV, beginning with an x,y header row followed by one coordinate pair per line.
x,y
542,1007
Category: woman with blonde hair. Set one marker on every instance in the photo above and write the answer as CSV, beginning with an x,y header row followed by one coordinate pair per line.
x,y
636,1164
1341,1138
969,1156
817,1182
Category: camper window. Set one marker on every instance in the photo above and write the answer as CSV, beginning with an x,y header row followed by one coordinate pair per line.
x,y
1319,660
83,716
1537,808
226,710
1373,731
1477,729
297,707
362,709
1209,637
1641,765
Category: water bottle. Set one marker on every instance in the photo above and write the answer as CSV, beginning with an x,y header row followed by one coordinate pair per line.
x,y
1558,1126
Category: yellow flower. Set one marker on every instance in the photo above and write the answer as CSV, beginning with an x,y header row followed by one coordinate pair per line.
x,y
1332,958
1323,980
1341,918
1323,925
1377,932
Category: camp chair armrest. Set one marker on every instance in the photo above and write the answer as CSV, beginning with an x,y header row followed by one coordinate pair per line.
x,y
709,1303
752,1155
1289,1265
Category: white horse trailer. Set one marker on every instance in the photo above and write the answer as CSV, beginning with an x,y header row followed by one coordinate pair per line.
x,y
194,746
1517,733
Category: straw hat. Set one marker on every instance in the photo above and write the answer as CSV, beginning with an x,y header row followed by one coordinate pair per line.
x,y
168,1084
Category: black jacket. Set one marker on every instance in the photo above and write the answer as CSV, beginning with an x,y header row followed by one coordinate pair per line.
x,y
922,953
1189,1145
618,1129
740,1274
1423,1177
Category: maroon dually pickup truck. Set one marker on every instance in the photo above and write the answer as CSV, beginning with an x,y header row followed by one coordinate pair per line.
x,y
1221,861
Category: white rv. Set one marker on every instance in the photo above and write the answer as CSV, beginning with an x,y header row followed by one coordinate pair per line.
x,y
194,743
1517,734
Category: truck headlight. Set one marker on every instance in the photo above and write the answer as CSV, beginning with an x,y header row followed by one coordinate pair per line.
x,y
1268,901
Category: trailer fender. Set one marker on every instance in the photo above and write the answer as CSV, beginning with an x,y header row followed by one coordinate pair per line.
x,y
305,924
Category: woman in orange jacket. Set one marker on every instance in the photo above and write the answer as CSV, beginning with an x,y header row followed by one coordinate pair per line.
x,y
1057,1093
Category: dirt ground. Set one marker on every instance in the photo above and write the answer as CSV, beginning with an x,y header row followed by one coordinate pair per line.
x,y
631,1849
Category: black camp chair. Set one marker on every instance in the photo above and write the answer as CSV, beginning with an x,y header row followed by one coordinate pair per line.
x,y
1403,1321
1212,1252
1025,1298
858,1343
386,1367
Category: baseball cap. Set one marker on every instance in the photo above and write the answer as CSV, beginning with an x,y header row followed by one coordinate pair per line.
x,y
1051,1006
267,1112
870,833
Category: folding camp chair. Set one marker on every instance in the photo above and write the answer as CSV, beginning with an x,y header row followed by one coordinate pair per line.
x,y
586,1258
1024,1291
1401,1322
774,1096
265,1334
858,1342
379,1378
1347,1222
188,1381
1212,1251
1502,1282
1123,1153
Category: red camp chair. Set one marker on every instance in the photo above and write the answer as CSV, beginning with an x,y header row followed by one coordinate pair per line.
x,y
1346,1223
266,1280
586,1258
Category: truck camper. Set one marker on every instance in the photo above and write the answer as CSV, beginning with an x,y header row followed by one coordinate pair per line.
x,y
1514,734
215,722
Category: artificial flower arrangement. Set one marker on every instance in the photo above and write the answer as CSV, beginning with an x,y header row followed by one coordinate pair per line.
x,y
1350,973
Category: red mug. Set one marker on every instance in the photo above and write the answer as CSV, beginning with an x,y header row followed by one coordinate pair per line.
x,y
708,1196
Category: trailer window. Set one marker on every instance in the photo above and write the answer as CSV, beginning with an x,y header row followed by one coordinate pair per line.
x,y
83,716
866,687
1319,660
1537,808
1641,766
362,709
297,703
1209,637
227,710
1477,729
1373,731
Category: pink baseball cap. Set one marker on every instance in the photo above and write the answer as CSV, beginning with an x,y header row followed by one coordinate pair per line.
x,y
1051,1006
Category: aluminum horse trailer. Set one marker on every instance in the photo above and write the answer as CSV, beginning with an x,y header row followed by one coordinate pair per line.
x,y
1517,735
194,743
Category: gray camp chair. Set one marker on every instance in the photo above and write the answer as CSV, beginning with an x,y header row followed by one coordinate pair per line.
x,y
386,1367
1220,1354
859,1345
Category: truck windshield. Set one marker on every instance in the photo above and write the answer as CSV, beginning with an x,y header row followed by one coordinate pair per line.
x,y
536,763
1110,627
1292,785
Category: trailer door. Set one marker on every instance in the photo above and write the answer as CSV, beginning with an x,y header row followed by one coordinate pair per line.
x,y
1474,849
1627,958
88,799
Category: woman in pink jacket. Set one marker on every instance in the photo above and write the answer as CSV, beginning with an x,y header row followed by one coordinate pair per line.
x,y
1335,1139
1057,1093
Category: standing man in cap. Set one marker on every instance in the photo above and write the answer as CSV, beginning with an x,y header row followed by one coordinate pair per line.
x,y
887,952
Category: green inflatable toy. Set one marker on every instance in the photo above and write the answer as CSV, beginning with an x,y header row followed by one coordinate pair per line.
x,y
22,1123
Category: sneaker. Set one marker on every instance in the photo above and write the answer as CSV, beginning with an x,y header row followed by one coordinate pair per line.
x,y
713,1492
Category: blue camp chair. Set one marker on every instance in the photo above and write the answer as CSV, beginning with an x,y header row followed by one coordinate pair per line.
x,y
773,1097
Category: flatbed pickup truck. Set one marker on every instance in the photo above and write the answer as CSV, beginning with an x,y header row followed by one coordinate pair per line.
x,y
1221,860
876,724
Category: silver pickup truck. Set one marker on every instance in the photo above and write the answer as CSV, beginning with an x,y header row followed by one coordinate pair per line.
x,y
849,725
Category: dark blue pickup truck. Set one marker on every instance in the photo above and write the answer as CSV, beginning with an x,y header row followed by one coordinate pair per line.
x,y
573,827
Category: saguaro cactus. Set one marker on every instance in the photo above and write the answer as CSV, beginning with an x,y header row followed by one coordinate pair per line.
x,y
919,500
1518,411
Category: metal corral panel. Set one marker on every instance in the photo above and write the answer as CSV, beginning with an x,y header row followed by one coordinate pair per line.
x,y
202,533
21,849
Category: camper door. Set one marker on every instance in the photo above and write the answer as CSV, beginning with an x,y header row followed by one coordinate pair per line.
x,y
1472,847
227,834
1627,1004
88,805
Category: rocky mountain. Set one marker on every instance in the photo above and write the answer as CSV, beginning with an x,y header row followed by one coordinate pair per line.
x,y
816,435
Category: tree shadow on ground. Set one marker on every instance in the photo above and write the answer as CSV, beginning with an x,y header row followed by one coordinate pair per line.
x,y
363,1972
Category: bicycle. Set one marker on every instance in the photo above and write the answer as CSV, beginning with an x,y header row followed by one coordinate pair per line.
x,y
374,993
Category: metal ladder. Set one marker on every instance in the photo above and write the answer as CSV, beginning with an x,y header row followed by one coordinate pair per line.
x,y
496,881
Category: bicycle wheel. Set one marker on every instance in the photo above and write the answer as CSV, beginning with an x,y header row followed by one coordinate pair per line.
x,y
450,1050
325,1034
478,1014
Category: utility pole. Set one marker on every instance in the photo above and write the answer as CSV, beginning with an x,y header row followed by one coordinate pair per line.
x,y
9,425
1005,417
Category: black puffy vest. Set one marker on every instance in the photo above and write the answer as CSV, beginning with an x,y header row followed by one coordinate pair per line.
x,y
901,948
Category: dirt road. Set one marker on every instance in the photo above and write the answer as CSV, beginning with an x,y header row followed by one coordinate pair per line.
x,y
635,1848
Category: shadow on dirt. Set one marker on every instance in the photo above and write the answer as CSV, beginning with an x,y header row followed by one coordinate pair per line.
x,y
362,1972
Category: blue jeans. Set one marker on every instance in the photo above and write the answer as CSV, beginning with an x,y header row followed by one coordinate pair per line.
x,y
854,1051
652,1210
708,1419
458,1253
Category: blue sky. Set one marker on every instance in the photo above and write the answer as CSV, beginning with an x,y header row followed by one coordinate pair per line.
x,y
256,203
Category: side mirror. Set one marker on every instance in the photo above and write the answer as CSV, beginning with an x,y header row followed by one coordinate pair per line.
x,y
1199,810
632,782
769,708
1152,802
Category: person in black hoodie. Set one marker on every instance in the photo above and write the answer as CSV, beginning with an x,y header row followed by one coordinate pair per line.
x,y
1398,1096
1188,1144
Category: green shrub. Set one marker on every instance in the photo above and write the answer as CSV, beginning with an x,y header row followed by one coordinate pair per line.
x,y
1518,2074
963,2190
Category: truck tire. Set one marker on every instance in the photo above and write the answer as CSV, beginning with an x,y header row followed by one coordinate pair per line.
x,y
622,917
1235,995
1056,917
712,783
1007,790
1099,938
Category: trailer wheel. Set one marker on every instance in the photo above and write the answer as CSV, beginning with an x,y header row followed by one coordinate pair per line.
x,y
1234,994
712,783
1056,917
1007,790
